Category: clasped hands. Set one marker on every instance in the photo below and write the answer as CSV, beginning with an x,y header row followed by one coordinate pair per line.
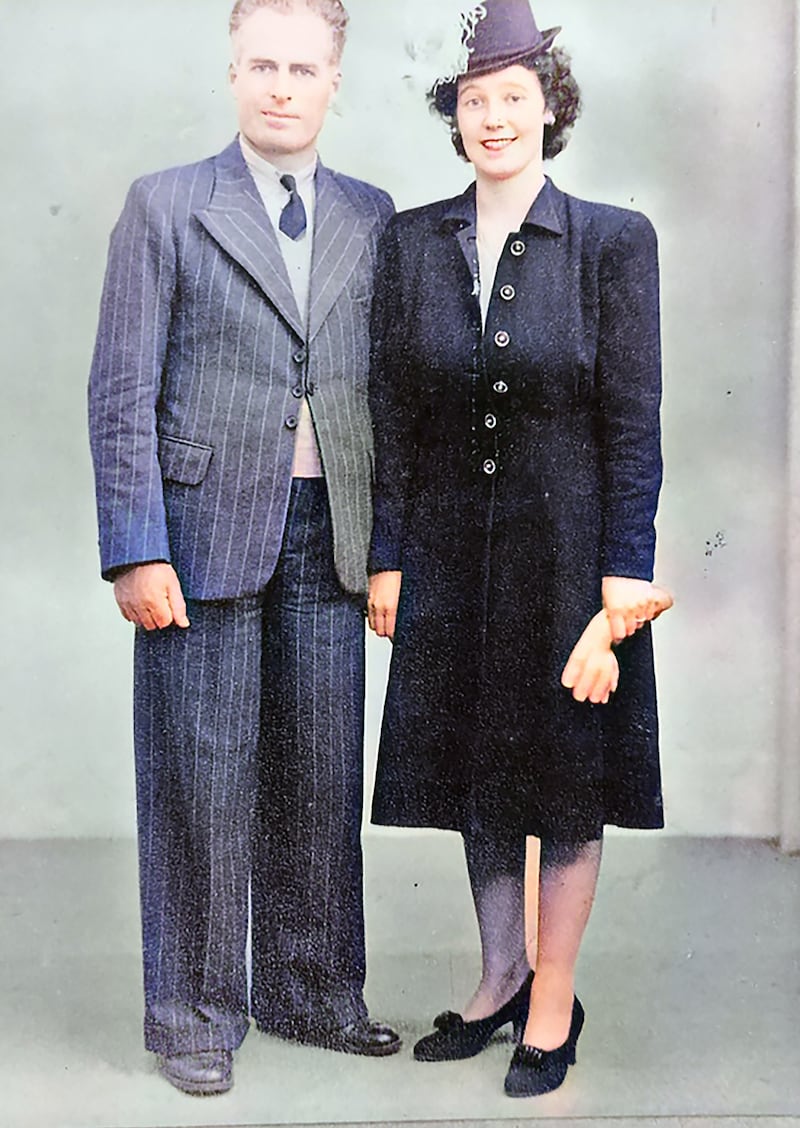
x,y
592,670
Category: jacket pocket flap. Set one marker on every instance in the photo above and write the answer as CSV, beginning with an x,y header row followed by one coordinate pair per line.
x,y
183,461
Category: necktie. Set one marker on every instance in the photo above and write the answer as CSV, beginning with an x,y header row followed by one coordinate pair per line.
x,y
293,216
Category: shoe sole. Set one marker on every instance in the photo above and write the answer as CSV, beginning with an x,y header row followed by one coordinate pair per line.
x,y
198,1088
336,1047
359,1051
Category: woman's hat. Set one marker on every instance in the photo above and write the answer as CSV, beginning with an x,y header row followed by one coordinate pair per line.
x,y
499,33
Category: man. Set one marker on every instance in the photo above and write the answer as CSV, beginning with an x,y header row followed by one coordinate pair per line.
x,y
232,452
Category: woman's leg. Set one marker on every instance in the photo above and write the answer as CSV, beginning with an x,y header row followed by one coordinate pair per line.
x,y
496,867
565,885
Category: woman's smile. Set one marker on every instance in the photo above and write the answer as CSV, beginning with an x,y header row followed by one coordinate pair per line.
x,y
497,144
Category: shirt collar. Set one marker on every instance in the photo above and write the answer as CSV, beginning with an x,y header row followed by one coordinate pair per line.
x,y
262,168
545,212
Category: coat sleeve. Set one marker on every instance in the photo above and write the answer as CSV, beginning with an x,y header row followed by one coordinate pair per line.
x,y
629,389
125,383
393,406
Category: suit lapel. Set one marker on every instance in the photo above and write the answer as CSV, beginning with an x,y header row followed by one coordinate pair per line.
x,y
340,232
235,217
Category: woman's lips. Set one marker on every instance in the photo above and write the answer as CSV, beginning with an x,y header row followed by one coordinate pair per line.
x,y
497,144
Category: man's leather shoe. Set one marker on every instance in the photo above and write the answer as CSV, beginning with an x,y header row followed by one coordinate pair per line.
x,y
202,1075
375,1039
372,1039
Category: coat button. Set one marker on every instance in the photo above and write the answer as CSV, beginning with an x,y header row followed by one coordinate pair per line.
x,y
489,466
501,387
300,356
508,293
491,422
291,422
518,248
298,391
502,339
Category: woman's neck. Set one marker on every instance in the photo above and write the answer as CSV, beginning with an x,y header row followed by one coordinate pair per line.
x,y
505,203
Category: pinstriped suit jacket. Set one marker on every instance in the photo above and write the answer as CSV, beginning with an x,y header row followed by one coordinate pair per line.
x,y
200,360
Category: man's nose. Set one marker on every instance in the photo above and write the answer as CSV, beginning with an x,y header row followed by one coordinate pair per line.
x,y
281,90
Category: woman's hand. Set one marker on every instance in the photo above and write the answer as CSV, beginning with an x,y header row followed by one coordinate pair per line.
x,y
592,671
630,603
384,594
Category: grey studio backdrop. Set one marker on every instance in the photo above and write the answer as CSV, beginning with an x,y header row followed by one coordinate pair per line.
x,y
688,116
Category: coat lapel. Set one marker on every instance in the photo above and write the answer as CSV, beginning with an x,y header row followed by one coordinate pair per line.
x,y
340,233
236,219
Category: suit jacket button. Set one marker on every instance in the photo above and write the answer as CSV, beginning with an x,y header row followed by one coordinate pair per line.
x,y
291,422
491,422
502,339
312,387
300,356
507,293
489,466
501,387
298,391
517,248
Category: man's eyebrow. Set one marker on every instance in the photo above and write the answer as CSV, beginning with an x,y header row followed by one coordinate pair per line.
x,y
257,61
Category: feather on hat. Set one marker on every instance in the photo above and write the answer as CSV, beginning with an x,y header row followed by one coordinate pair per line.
x,y
447,40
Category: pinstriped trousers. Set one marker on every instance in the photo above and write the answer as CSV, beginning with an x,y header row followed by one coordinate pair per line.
x,y
249,769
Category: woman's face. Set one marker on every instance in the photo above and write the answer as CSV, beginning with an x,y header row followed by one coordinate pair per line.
x,y
501,118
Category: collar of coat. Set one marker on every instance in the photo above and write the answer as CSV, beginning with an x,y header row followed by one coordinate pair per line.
x,y
343,221
546,211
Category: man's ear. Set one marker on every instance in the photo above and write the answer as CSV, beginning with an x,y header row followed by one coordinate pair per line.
x,y
231,73
337,82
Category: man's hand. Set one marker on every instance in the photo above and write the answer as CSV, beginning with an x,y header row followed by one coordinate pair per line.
x,y
150,596
592,671
384,595
630,603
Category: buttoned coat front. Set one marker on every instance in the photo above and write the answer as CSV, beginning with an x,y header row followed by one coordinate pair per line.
x,y
516,466
201,361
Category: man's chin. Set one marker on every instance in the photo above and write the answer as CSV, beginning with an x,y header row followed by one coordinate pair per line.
x,y
274,145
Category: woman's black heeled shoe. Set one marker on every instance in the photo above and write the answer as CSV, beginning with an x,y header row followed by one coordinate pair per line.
x,y
533,1072
455,1039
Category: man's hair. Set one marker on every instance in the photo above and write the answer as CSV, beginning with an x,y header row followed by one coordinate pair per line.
x,y
331,11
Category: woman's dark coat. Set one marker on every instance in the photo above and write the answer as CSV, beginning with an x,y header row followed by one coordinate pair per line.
x,y
515,467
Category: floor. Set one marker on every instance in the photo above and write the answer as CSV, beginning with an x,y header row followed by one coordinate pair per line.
x,y
690,978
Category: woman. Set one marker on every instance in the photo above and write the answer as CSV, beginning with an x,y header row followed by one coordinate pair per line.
x,y
515,397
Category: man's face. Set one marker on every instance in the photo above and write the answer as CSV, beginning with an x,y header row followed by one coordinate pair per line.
x,y
283,78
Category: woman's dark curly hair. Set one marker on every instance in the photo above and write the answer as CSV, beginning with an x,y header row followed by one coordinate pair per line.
x,y
561,93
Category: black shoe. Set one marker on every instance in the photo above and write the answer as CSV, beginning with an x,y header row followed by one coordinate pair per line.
x,y
455,1039
371,1039
203,1074
533,1072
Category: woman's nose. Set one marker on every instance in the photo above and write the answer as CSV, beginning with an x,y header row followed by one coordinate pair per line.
x,y
493,117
